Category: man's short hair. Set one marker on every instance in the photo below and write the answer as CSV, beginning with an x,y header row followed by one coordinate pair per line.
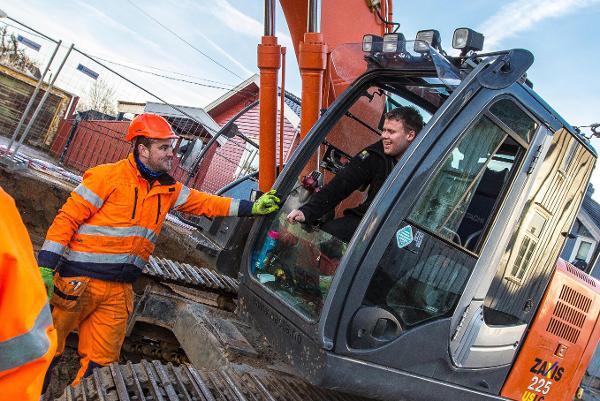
x,y
140,140
408,115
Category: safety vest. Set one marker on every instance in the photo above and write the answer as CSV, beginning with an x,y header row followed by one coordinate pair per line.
x,y
27,337
109,225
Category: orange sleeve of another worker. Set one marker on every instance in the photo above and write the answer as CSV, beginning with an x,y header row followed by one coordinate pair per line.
x,y
27,336
190,200
85,200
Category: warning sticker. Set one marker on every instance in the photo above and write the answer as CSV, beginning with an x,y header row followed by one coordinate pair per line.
x,y
404,236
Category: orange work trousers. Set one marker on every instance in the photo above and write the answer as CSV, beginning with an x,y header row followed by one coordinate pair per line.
x,y
99,310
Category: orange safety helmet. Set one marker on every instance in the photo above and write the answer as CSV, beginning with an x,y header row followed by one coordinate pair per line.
x,y
151,126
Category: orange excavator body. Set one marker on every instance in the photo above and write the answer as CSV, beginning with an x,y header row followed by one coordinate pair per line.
x,y
561,340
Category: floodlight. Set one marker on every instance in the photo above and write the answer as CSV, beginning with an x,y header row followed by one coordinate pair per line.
x,y
431,37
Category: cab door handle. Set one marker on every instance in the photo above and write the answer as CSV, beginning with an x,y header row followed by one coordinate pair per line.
x,y
372,327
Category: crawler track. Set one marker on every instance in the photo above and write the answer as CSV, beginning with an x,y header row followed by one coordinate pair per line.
x,y
167,270
155,381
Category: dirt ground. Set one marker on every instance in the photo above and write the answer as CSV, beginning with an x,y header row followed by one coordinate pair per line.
x,y
63,373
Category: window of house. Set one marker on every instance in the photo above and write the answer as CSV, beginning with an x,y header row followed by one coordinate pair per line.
x,y
584,251
248,162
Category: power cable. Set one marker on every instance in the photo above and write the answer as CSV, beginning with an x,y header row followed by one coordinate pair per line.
x,y
181,38
24,30
227,87
131,66
392,23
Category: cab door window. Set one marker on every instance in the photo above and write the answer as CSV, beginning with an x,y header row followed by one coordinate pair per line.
x,y
297,261
428,261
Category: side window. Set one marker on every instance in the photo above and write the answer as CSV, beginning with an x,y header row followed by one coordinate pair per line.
x,y
248,162
528,261
458,202
430,258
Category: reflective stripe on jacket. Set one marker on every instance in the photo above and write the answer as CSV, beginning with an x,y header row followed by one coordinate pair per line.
x,y
27,337
109,225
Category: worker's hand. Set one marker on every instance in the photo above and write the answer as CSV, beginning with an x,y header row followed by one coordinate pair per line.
x,y
267,203
296,216
47,278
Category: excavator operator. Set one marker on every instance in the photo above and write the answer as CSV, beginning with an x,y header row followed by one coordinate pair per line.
x,y
370,167
103,235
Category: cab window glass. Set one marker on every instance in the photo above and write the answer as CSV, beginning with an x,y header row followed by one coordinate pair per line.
x,y
425,266
297,260
458,202
515,118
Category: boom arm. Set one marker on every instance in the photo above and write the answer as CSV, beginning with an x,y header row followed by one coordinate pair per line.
x,y
341,21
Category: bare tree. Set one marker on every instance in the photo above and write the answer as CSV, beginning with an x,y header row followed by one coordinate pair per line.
x,y
100,97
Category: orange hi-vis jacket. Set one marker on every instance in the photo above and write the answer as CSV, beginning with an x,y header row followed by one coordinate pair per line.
x,y
27,337
109,225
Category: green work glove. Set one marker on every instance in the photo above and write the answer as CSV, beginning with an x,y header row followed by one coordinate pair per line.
x,y
47,278
267,203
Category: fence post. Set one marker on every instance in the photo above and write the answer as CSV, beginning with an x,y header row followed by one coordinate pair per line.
x,y
41,104
32,99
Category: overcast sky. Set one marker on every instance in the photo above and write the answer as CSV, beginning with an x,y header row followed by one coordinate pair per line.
x,y
222,36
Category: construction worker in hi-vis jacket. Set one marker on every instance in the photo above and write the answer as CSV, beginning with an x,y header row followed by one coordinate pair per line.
x,y
104,234
27,337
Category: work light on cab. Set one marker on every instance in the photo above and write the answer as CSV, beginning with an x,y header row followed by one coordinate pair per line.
x,y
393,43
372,43
466,39
431,37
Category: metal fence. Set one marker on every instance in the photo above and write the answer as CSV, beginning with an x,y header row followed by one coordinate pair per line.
x,y
28,102
84,117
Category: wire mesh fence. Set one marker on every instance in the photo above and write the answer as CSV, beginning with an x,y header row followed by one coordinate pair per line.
x,y
107,100
25,58
92,100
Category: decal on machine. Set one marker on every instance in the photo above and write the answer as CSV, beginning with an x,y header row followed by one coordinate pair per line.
x,y
544,374
404,236
547,369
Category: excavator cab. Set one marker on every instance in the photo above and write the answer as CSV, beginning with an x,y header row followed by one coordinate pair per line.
x,y
433,294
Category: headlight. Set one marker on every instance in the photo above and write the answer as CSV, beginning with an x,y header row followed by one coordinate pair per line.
x,y
431,37
466,39
393,43
372,43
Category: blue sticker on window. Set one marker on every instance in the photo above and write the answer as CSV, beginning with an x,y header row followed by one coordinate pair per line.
x,y
404,236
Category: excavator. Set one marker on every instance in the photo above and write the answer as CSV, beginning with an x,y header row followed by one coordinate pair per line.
x,y
451,287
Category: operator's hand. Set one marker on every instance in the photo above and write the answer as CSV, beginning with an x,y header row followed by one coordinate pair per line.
x,y
296,216
47,278
267,203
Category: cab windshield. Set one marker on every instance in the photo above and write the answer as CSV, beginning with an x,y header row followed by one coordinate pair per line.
x,y
297,258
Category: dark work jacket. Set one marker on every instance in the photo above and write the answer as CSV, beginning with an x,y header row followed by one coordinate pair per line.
x,y
370,167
